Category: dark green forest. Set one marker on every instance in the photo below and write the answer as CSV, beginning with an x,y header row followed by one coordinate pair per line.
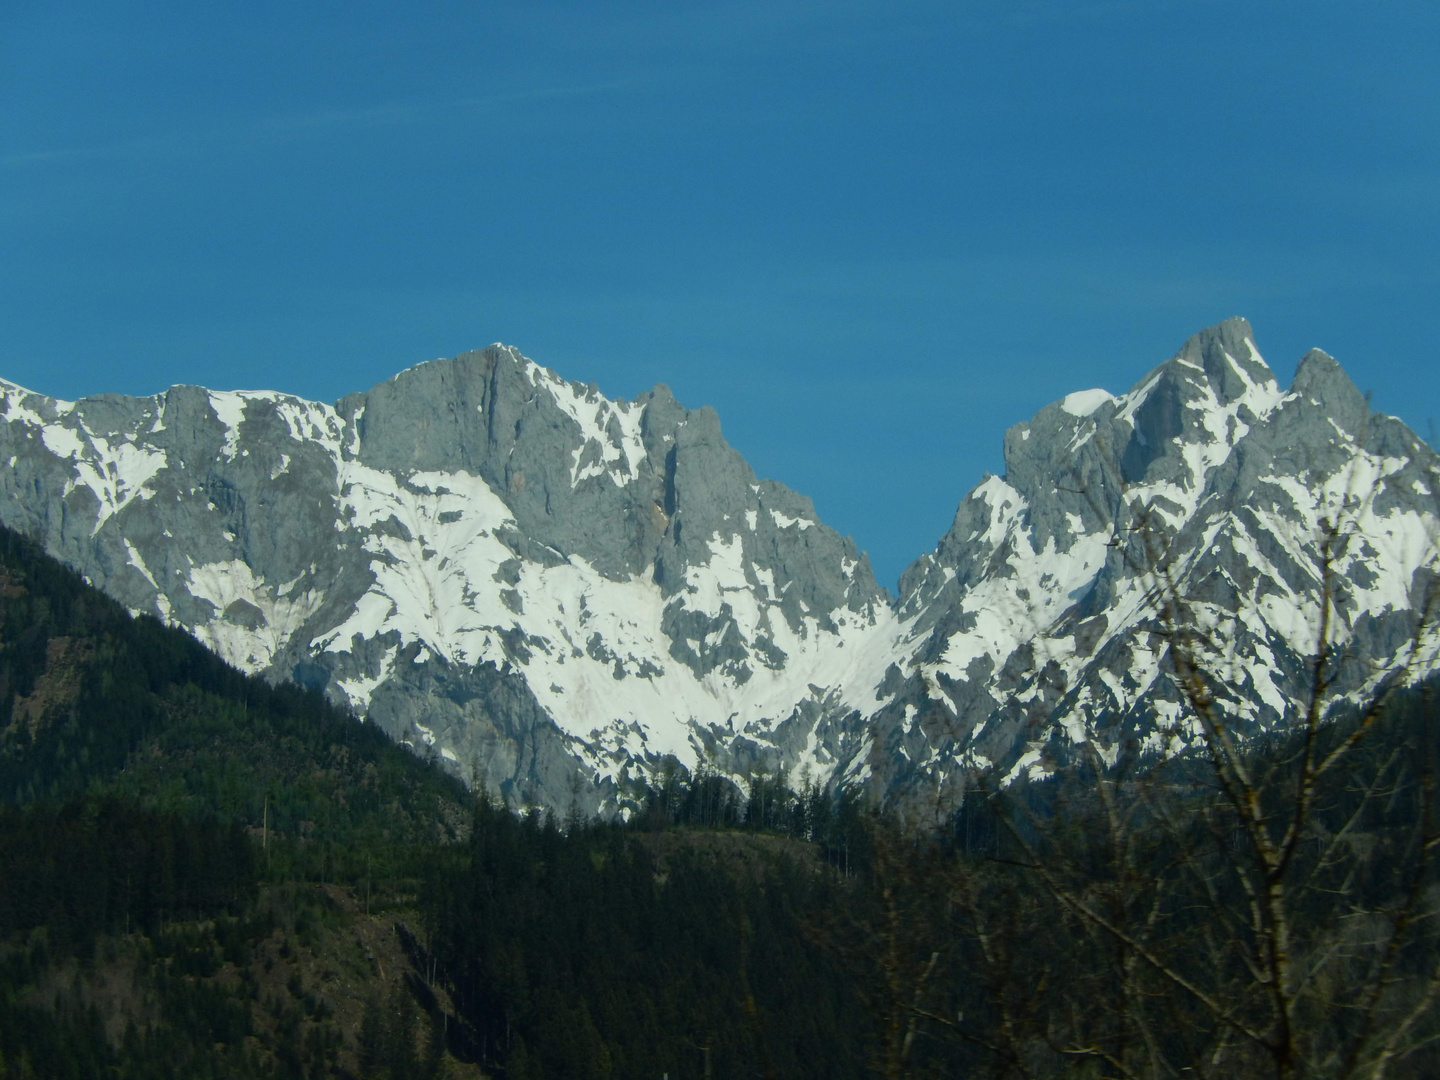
x,y
205,875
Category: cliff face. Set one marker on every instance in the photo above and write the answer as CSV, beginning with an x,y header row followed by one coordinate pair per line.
x,y
554,592
501,567
1033,625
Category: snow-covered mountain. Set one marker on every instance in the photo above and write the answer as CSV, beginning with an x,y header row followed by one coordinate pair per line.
x,y
557,592
1033,627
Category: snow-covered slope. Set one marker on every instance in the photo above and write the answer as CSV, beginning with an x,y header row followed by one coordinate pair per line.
x,y
556,592
1033,626
500,566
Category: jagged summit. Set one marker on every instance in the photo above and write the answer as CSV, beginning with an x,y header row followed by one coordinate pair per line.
x,y
492,561
563,591
1226,353
1321,380
1028,623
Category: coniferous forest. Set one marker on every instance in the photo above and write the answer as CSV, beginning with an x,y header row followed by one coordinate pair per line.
x,y
205,875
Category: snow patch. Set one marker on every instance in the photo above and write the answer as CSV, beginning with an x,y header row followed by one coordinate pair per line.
x,y
1085,402
609,430
784,521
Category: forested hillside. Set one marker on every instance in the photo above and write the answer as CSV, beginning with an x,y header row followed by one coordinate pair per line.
x,y
208,875
172,831
205,875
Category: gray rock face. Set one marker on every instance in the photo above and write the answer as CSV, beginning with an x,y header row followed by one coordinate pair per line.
x,y
550,590
1033,628
554,592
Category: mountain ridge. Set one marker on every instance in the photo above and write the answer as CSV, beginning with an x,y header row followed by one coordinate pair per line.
x,y
559,592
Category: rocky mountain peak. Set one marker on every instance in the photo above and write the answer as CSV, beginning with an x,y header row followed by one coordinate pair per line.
x,y
565,591
1226,354
496,563
1323,384
1215,386
1030,615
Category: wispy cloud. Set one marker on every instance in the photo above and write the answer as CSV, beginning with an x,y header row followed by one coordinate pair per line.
x,y
655,45
397,114
428,111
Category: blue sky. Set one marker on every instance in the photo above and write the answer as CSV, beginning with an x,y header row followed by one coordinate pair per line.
x,y
872,235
